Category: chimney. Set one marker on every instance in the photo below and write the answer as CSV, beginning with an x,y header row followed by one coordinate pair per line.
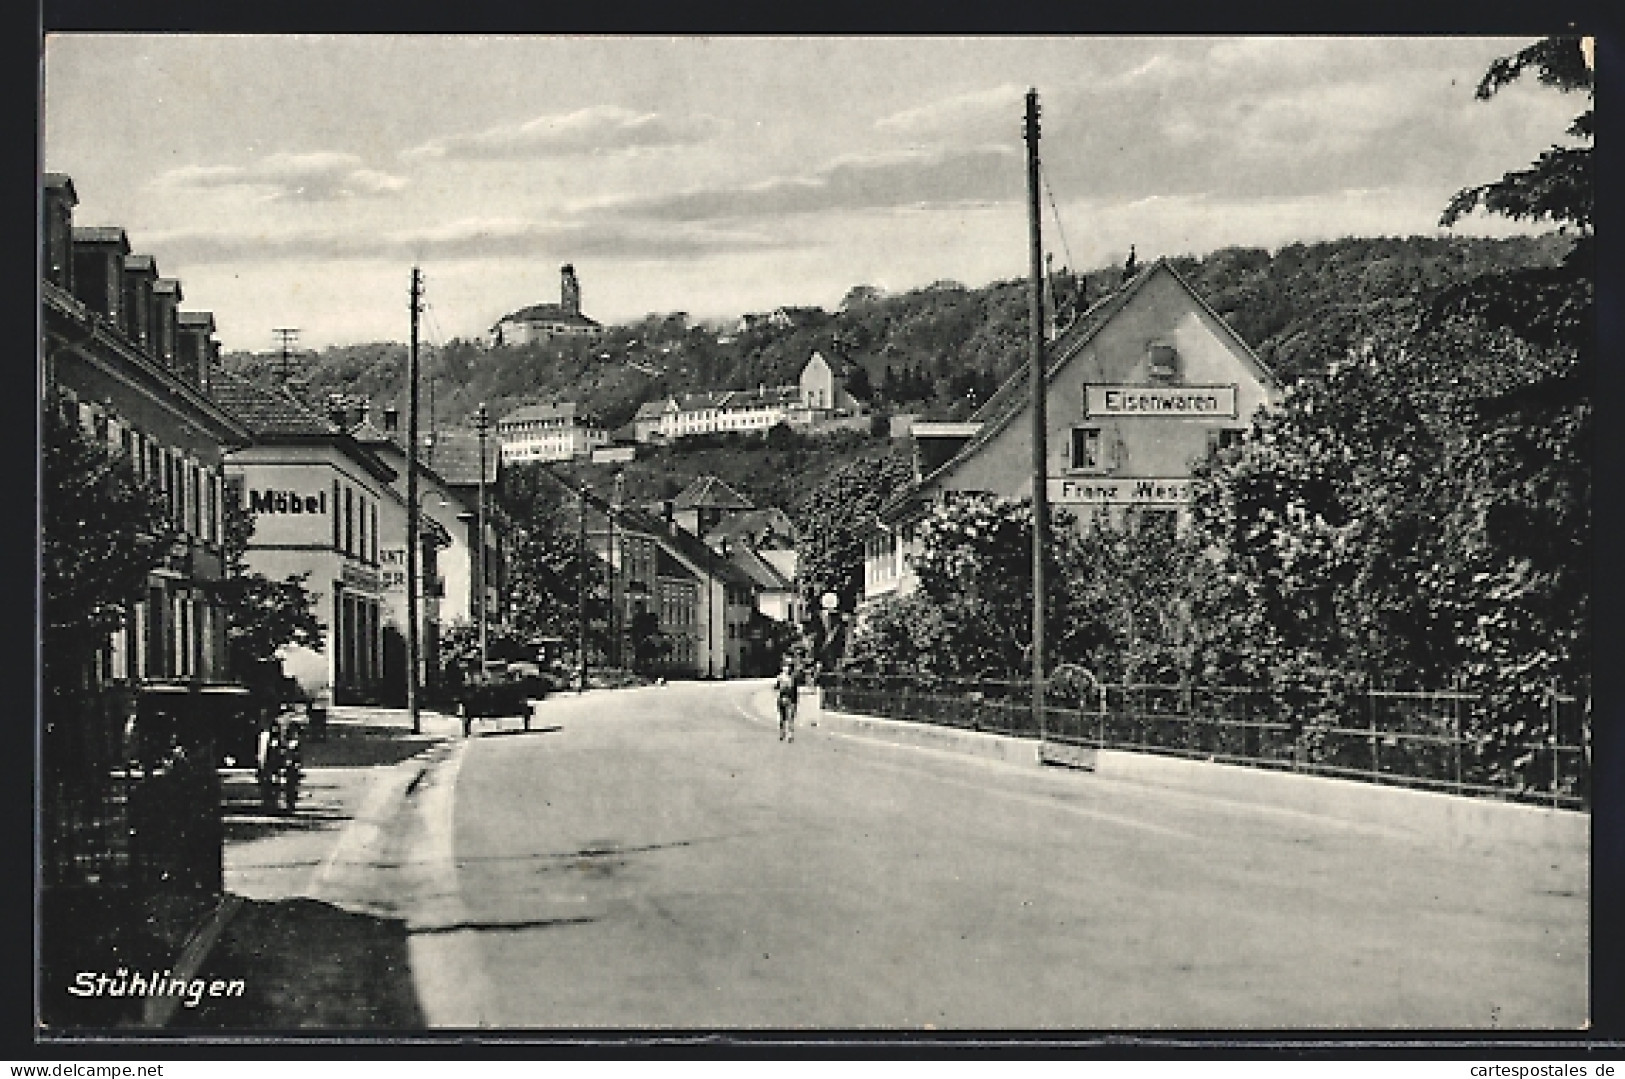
x,y
56,232
166,292
196,346
140,275
392,420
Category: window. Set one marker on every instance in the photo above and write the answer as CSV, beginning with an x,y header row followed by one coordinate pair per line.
x,y
1162,361
1086,447
194,516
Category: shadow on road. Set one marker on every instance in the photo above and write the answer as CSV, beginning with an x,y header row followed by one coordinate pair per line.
x,y
509,927
308,965
504,733
354,745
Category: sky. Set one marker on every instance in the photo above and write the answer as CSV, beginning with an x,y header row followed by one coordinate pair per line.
x,y
293,181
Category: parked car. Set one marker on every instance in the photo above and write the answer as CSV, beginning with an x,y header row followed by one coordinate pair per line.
x,y
505,689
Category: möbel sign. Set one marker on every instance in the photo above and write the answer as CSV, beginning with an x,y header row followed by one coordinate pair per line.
x,y
269,501
1161,401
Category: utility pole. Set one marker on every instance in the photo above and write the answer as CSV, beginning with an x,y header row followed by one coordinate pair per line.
x,y
581,593
482,425
615,502
1036,375
413,645
288,336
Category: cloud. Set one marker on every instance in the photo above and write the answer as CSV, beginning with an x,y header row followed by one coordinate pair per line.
x,y
883,181
1257,117
468,239
311,177
975,117
600,129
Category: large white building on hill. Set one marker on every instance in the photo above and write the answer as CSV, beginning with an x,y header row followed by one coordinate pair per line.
x,y
553,432
817,396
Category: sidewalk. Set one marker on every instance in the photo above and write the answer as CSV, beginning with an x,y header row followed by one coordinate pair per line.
x,y
314,935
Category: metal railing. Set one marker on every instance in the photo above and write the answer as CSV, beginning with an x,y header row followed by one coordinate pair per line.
x,y
1448,741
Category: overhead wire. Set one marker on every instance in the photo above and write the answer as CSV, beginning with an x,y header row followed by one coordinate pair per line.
x,y
1049,274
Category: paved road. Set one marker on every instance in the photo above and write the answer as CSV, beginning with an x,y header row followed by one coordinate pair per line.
x,y
657,858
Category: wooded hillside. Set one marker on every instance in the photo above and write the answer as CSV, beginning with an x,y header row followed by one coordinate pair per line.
x,y
940,350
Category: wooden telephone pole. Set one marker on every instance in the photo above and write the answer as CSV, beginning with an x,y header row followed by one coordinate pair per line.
x,y
1036,375
413,646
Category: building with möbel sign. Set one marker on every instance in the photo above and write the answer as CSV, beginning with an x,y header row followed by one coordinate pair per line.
x,y
1139,389
316,497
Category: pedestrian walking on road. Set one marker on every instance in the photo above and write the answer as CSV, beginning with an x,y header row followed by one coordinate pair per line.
x,y
786,686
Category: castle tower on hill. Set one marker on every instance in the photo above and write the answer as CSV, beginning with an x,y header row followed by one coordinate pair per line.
x,y
569,290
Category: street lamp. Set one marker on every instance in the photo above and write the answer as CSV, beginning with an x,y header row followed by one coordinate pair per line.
x,y
482,425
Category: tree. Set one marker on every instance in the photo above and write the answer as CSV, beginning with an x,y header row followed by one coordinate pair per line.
x,y
857,383
833,521
104,531
1524,521
548,568
1558,186
649,645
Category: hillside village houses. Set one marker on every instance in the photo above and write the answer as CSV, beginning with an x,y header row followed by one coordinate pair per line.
x,y
1141,388
817,398
543,322
122,361
693,562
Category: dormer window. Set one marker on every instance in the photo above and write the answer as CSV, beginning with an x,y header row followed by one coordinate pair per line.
x,y
1162,362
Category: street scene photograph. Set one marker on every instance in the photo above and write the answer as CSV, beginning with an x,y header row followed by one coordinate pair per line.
x,y
614,537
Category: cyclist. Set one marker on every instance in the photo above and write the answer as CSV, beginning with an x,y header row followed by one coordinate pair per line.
x,y
786,686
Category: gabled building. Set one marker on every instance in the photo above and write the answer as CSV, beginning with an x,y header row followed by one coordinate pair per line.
x,y
317,498
774,576
823,392
546,321
444,556
129,795
103,360
701,505
1141,388
454,454
653,418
